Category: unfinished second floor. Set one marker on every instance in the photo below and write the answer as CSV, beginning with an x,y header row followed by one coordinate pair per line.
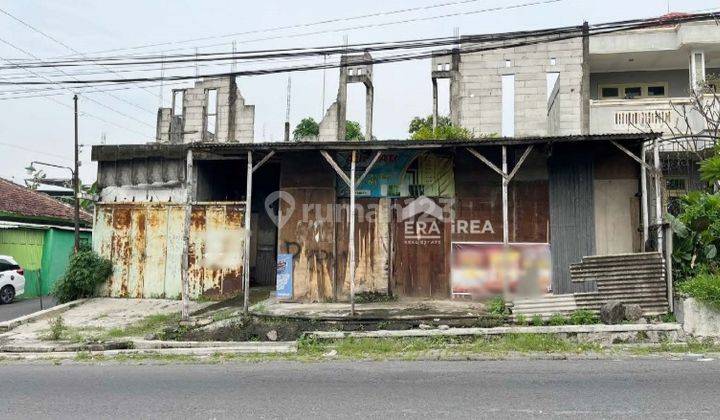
x,y
213,110
640,80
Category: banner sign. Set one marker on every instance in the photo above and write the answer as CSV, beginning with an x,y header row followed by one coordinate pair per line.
x,y
283,279
482,270
385,177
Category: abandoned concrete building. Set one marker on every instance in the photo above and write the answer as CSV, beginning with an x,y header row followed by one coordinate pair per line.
x,y
213,110
563,199
636,81
571,184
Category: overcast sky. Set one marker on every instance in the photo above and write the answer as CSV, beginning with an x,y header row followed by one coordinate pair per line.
x,y
41,128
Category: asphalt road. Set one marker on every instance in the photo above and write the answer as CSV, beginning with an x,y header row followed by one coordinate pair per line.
x,y
517,389
24,307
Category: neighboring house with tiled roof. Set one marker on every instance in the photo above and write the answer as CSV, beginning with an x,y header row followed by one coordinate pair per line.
x,y
38,231
19,203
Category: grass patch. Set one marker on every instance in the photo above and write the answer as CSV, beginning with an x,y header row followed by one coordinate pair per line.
x,y
691,346
374,297
150,324
413,348
496,306
583,317
223,314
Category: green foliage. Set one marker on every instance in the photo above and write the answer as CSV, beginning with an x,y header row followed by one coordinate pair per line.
x,y
373,297
669,317
697,234
36,177
557,319
422,129
353,131
57,328
537,321
497,306
705,287
307,127
418,123
710,167
448,132
583,317
84,273
521,319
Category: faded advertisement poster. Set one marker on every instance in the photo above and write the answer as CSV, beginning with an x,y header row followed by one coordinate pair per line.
x,y
284,283
482,270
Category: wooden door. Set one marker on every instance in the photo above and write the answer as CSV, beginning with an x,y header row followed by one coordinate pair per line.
x,y
421,254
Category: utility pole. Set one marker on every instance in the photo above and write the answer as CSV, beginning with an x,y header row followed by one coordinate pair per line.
x,y
322,111
287,110
76,180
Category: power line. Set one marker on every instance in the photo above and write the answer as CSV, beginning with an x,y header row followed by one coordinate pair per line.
x,y
292,52
27,149
50,80
53,82
295,26
477,44
57,41
367,26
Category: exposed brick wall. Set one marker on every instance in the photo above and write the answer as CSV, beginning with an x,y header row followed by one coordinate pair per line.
x,y
480,101
235,120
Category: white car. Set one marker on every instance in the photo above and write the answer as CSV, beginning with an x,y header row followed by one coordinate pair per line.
x,y
12,279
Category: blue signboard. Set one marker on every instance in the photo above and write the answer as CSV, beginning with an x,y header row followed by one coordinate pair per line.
x,y
283,279
385,179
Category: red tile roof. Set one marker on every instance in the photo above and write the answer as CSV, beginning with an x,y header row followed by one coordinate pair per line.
x,y
22,201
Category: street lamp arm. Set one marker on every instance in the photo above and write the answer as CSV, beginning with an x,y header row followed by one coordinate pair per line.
x,y
35,162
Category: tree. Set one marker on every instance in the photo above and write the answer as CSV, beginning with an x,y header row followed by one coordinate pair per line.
x,y
443,132
36,177
353,131
695,127
418,123
307,127
422,129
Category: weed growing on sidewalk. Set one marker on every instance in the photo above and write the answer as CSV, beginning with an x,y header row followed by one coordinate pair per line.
x,y
57,328
150,324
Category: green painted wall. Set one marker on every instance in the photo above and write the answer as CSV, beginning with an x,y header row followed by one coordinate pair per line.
x,y
58,248
26,246
43,253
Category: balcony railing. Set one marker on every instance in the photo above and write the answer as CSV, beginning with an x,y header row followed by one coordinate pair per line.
x,y
638,115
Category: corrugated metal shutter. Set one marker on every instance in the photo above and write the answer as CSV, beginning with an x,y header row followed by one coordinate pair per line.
x,y
572,219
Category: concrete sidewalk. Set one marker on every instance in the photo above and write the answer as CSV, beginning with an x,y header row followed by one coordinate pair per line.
x,y
95,315
406,309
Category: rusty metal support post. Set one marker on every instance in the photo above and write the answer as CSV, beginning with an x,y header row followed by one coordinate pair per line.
x,y
435,104
506,230
351,245
658,197
185,286
246,253
644,199
505,197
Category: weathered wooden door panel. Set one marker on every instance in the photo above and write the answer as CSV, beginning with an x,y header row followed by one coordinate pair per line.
x,y
372,247
421,250
309,234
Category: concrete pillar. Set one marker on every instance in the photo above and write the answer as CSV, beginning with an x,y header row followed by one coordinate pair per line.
x,y
455,93
697,69
435,104
342,103
369,98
